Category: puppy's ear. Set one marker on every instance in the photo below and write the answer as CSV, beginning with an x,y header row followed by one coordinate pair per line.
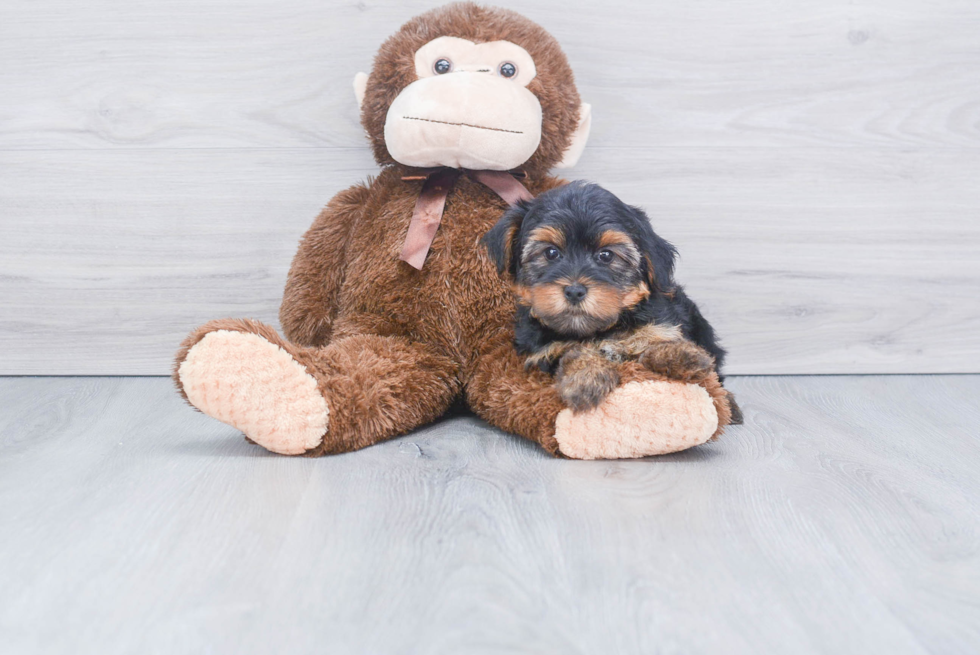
x,y
502,239
658,255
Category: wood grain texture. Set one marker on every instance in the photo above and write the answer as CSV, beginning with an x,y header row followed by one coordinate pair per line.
x,y
820,261
212,73
815,161
842,518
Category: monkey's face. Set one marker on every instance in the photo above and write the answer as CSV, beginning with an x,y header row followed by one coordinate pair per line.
x,y
470,107
473,87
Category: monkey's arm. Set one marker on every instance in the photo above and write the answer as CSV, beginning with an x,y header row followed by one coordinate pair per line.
x,y
309,302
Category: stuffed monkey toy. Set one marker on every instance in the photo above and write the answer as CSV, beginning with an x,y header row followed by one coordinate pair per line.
x,y
392,309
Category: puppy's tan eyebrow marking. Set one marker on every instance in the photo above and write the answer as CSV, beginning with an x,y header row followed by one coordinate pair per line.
x,y
548,234
622,244
614,238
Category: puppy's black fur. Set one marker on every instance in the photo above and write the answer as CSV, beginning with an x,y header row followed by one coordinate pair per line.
x,y
571,238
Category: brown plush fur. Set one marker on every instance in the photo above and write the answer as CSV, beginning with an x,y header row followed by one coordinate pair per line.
x,y
391,347
310,299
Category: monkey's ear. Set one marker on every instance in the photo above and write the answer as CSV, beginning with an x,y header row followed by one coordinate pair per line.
x,y
360,86
502,239
579,137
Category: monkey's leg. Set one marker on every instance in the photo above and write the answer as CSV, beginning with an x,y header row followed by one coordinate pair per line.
x,y
677,359
305,400
646,414
519,400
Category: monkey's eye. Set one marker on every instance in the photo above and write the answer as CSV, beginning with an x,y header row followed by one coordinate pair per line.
x,y
552,253
507,69
442,66
604,256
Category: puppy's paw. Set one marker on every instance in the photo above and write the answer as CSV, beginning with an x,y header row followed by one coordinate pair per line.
x,y
548,358
613,351
584,379
737,417
584,390
679,360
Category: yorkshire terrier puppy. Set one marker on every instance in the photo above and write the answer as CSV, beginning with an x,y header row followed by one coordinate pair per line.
x,y
595,287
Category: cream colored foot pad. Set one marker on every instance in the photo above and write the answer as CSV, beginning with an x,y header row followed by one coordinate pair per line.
x,y
243,380
639,419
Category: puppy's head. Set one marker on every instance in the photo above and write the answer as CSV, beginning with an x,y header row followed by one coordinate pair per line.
x,y
580,257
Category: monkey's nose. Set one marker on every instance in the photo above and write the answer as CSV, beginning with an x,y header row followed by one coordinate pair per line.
x,y
574,293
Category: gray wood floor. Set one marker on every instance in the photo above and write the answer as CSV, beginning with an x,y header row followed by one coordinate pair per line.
x,y
842,518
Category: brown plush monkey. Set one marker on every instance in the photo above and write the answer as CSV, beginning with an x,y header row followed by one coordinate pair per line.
x,y
390,315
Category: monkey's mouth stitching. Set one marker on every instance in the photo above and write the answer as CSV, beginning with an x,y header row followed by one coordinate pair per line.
x,y
479,127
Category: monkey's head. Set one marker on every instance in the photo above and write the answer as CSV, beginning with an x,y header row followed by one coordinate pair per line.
x,y
473,87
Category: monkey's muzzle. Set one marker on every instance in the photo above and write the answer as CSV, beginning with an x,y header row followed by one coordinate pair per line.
x,y
464,120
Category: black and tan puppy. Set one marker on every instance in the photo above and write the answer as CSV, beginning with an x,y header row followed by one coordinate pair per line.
x,y
595,286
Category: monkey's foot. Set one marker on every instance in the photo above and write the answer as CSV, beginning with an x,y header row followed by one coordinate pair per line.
x,y
640,418
254,385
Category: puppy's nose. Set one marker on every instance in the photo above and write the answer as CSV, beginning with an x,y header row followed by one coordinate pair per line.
x,y
574,293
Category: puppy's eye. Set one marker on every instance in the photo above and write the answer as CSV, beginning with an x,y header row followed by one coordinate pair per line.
x,y
442,66
604,256
507,69
552,253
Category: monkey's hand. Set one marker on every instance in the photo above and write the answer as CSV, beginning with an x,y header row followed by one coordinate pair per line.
x,y
679,360
585,377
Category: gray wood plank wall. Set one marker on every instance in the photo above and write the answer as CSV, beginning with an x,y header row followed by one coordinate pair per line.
x,y
817,162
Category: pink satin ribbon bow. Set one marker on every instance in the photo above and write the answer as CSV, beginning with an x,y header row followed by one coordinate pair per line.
x,y
432,201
